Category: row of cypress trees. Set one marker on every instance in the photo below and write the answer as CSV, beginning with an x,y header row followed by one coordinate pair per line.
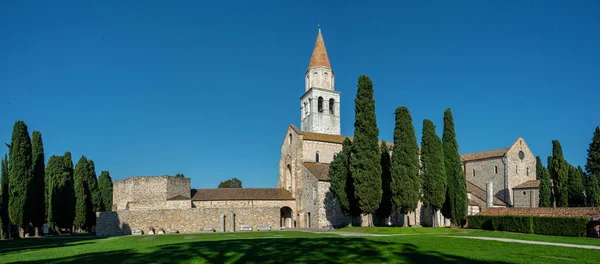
x,y
33,193
562,184
366,179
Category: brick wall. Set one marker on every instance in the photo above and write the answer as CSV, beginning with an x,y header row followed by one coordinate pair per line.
x,y
191,220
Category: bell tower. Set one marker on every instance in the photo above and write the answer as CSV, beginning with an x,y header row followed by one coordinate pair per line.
x,y
320,104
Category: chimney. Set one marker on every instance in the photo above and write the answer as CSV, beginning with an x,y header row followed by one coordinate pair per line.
x,y
489,191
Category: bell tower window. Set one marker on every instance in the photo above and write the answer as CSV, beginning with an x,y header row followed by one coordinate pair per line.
x,y
317,157
320,104
331,104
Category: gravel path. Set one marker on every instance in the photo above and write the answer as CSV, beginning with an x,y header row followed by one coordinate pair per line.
x,y
530,242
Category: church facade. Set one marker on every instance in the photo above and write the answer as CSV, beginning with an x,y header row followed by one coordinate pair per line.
x,y
301,197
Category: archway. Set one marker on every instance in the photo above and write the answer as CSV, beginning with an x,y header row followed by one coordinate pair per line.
x,y
286,217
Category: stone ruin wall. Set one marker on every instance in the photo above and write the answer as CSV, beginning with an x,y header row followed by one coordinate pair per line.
x,y
178,186
142,193
190,220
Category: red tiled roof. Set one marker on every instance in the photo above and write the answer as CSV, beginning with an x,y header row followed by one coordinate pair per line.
x,y
222,194
480,193
545,211
319,170
528,184
484,154
312,136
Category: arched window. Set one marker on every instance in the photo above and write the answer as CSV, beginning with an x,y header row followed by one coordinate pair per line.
x,y
527,173
290,139
314,80
473,172
334,155
317,157
325,80
320,104
496,169
331,103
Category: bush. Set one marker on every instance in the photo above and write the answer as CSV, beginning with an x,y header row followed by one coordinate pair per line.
x,y
543,225
560,226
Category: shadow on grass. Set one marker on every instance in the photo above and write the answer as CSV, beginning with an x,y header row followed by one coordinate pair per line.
x,y
17,245
272,250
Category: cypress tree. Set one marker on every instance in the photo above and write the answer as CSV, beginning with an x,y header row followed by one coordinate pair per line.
x,y
593,191
575,187
386,206
456,203
341,182
541,173
560,173
63,197
364,162
95,203
4,221
592,166
432,168
405,164
81,194
39,213
105,186
552,183
21,205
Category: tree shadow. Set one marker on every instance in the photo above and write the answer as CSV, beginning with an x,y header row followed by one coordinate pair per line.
x,y
17,245
272,250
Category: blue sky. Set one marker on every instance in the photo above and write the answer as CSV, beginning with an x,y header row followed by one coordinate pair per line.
x,y
208,89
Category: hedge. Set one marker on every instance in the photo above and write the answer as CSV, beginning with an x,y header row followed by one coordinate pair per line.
x,y
543,225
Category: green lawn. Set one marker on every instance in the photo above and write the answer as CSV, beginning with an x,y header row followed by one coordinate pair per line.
x,y
284,247
404,230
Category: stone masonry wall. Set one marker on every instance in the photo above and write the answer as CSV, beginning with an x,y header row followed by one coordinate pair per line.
x,y
330,212
178,186
485,170
246,204
519,171
525,197
326,151
142,189
307,202
191,220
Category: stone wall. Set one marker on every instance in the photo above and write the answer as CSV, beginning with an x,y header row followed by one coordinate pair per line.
x,y
485,170
290,164
326,151
320,122
149,192
308,206
590,212
178,186
330,213
526,197
519,171
244,204
190,220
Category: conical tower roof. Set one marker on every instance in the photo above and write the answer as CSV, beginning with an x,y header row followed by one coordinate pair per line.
x,y
319,55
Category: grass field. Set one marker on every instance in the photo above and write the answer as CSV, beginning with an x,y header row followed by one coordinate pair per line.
x,y
284,247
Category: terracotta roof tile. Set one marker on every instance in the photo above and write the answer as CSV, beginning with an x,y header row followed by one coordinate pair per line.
x,y
480,193
592,212
178,198
484,154
319,170
319,56
222,194
528,184
312,136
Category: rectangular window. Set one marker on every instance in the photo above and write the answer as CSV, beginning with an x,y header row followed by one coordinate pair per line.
x,y
496,169
473,172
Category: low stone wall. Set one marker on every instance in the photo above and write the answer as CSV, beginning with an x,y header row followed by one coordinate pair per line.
x,y
590,212
190,220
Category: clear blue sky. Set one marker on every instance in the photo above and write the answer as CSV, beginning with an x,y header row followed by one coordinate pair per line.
x,y
208,88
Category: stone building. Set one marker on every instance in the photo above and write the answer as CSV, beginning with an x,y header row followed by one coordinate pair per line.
x,y
301,197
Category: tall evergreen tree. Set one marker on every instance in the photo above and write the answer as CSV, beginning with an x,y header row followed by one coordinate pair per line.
x,y
364,162
21,204
593,191
62,192
39,213
575,188
105,186
542,175
405,164
96,201
560,173
552,183
386,206
432,168
456,203
82,199
341,181
4,221
592,166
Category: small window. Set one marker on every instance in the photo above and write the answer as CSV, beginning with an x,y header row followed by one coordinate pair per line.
x,y
314,193
290,139
331,104
524,193
473,172
320,104
334,155
517,169
527,173
496,169
317,157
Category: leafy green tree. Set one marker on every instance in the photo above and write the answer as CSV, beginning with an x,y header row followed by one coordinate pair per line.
x,y
180,175
592,165
365,165
432,168
4,221
95,203
576,188
105,185
61,192
456,203
541,173
341,181
559,171
39,213
386,205
81,193
231,183
405,163
21,204
593,191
